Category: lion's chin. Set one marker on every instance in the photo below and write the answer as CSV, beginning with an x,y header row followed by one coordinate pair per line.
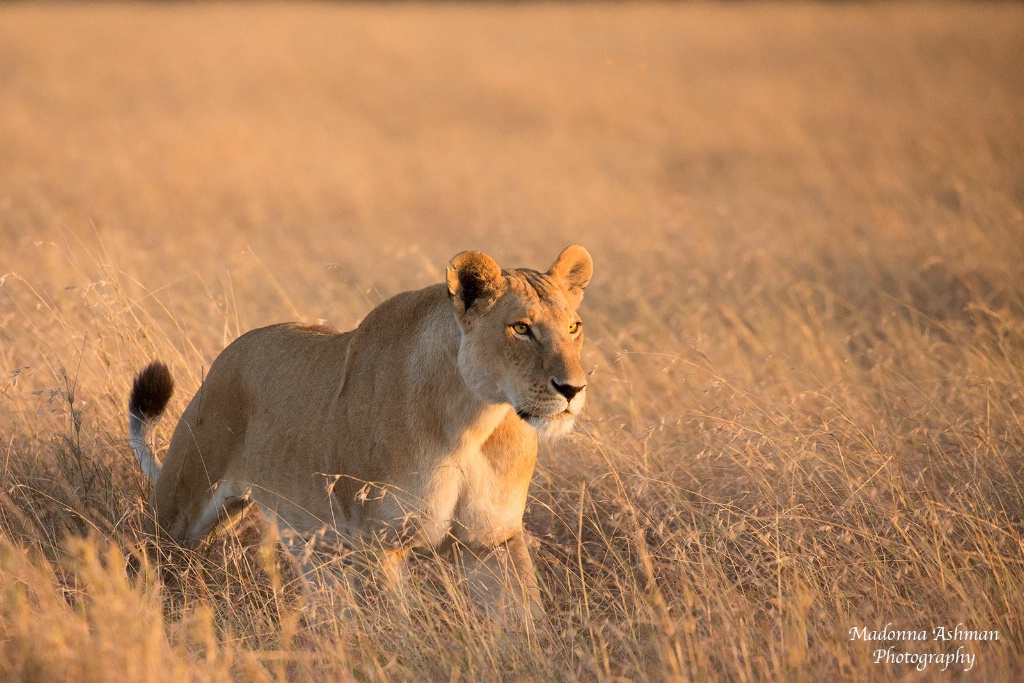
x,y
551,426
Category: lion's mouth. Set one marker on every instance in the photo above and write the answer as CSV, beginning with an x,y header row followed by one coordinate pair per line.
x,y
523,415
550,426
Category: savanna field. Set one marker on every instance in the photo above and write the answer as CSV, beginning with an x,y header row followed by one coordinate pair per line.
x,y
805,331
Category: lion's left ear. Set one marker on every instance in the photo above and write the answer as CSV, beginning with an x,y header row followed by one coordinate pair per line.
x,y
573,269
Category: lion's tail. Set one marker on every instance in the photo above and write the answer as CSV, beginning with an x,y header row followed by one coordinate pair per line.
x,y
151,391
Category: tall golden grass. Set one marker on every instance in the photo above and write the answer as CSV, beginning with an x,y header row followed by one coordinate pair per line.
x,y
806,329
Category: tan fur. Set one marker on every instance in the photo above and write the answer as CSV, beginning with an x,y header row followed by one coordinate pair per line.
x,y
413,430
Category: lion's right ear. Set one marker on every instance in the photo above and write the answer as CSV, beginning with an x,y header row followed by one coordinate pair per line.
x,y
473,278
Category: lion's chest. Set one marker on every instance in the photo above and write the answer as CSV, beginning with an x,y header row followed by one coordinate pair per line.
x,y
455,485
466,498
462,495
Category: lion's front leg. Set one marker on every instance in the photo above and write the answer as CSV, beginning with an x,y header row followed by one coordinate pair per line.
x,y
502,579
381,571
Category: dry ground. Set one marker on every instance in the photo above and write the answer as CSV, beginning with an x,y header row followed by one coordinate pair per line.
x,y
806,327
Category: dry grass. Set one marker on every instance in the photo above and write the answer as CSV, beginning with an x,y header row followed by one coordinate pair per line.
x,y
806,328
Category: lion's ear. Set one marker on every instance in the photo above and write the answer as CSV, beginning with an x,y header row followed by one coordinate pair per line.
x,y
473,278
573,269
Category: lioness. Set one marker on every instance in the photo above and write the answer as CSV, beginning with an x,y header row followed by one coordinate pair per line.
x,y
417,429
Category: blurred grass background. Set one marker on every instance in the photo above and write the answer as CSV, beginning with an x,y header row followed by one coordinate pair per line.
x,y
806,326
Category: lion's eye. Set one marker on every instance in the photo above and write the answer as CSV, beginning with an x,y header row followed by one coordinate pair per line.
x,y
575,327
521,328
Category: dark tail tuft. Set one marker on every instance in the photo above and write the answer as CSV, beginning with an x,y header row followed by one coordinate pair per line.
x,y
151,391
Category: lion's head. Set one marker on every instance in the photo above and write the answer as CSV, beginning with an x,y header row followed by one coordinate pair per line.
x,y
522,338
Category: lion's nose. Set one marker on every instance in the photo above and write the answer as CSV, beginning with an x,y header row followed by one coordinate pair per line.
x,y
567,390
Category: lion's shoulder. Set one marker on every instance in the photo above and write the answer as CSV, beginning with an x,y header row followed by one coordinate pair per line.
x,y
313,328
